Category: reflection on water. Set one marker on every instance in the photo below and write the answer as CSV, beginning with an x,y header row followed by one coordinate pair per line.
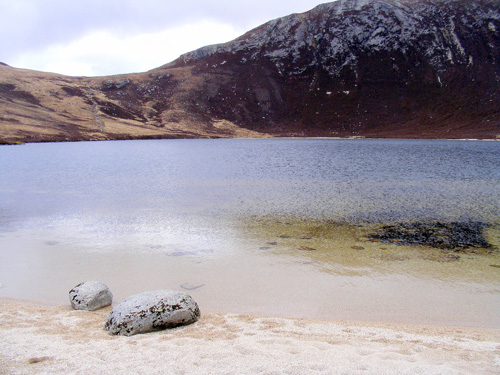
x,y
273,227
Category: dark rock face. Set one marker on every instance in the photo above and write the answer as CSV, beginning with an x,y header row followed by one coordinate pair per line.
x,y
358,67
452,236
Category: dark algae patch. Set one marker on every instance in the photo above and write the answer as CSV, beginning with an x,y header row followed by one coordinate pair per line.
x,y
451,236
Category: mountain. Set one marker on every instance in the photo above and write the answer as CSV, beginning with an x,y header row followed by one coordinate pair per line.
x,y
380,68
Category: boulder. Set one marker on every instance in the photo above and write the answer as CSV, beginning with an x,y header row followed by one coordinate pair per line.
x,y
152,311
90,296
111,85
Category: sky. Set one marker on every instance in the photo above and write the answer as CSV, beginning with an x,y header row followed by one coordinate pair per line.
x,y
105,37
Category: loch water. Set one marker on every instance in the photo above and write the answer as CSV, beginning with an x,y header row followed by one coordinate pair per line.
x,y
261,226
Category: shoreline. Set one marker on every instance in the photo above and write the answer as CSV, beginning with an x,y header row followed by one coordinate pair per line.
x,y
46,339
266,136
441,328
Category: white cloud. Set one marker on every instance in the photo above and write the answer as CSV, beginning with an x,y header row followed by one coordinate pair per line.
x,y
105,53
91,37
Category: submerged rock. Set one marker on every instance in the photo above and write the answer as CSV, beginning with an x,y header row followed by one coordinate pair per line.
x,y
152,311
191,286
306,248
90,296
452,236
357,247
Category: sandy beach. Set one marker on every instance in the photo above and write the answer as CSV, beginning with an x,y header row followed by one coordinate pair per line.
x,y
38,339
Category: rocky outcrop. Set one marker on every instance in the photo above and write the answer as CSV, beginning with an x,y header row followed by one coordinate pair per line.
x,y
152,311
90,296
112,85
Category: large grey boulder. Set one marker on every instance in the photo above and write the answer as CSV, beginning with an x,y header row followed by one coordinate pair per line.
x,y
152,311
90,296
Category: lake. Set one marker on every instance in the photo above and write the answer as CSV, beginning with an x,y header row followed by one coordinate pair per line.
x,y
260,226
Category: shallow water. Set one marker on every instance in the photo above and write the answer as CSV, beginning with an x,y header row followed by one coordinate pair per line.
x,y
272,227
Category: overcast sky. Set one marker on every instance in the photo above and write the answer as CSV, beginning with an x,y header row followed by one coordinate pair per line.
x,y
103,37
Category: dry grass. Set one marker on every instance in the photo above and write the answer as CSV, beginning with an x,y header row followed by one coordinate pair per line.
x,y
37,106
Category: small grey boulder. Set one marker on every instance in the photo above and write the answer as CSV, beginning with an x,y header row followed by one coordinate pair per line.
x,y
152,311
90,296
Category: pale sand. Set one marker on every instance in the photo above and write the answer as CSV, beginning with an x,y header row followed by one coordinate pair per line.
x,y
57,340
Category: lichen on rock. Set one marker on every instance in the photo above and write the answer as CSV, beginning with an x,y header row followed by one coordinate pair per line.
x,y
90,296
152,311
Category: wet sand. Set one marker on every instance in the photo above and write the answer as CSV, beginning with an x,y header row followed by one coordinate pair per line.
x,y
48,340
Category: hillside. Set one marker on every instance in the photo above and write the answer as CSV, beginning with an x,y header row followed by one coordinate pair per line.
x,y
381,68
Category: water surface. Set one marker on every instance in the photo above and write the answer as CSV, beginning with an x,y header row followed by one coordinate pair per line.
x,y
272,227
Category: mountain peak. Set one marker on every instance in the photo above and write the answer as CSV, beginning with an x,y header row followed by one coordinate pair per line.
x,y
338,32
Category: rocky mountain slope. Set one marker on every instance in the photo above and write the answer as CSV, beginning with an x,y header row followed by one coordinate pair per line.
x,y
379,68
